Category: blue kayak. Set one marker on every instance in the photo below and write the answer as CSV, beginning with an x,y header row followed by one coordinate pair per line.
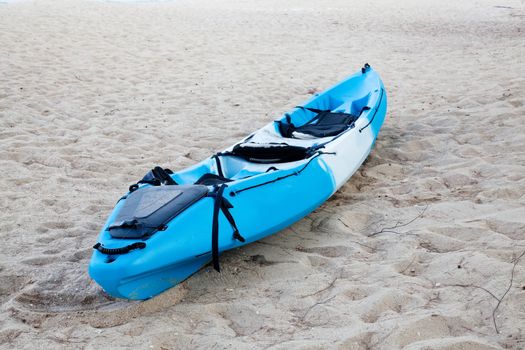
x,y
171,224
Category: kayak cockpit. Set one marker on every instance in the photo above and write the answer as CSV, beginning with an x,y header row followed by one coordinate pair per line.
x,y
288,141
268,150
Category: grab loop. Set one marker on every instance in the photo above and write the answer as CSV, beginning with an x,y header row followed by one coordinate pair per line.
x,y
122,250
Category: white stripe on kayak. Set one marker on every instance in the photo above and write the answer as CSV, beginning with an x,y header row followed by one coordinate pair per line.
x,y
351,151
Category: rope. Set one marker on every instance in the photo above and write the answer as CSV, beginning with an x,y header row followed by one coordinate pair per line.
x,y
295,173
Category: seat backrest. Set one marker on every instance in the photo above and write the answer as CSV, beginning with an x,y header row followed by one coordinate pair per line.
x,y
326,124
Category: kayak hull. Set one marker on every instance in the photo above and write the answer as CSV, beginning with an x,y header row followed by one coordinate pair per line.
x,y
263,203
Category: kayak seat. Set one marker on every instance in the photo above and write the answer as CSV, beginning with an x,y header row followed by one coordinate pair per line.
x,y
330,120
325,123
269,152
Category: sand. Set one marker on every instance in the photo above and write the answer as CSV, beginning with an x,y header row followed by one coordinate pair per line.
x,y
94,94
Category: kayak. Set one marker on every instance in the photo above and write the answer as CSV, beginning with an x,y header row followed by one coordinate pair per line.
x,y
170,224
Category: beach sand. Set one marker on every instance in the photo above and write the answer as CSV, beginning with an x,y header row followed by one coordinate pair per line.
x,y
417,251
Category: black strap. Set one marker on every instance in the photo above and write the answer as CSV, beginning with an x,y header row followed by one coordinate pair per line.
x,y
163,175
376,109
225,207
365,108
285,129
221,204
215,229
155,177
219,168
122,250
209,179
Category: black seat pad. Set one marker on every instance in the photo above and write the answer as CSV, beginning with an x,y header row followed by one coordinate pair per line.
x,y
328,124
324,124
270,153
